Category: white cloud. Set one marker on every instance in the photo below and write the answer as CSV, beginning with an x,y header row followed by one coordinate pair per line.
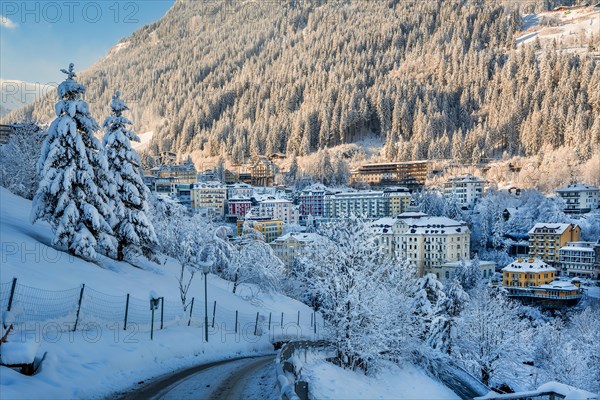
x,y
7,22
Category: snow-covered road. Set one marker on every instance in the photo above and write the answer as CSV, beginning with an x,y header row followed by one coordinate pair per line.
x,y
245,378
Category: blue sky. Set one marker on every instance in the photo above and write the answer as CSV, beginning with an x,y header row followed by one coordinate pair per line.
x,y
37,38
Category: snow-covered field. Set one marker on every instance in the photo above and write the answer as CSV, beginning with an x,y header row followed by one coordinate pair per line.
x,y
97,362
571,26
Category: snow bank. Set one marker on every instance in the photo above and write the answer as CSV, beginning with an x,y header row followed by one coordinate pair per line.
x,y
326,381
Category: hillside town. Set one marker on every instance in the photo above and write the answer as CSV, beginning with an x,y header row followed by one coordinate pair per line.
x,y
254,196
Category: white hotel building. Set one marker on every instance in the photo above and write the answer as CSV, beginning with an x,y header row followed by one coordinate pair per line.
x,y
426,241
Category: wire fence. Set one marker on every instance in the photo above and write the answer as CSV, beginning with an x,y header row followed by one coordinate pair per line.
x,y
84,307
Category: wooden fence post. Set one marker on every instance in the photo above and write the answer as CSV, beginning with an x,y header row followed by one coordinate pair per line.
x,y
79,307
191,308
126,312
214,311
256,324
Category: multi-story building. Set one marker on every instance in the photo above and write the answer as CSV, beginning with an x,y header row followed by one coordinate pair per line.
x,y
174,189
184,173
426,241
531,281
281,209
210,195
271,229
579,198
237,207
241,189
311,200
580,259
467,190
289,247
527,272
263,172
367,204
546,239
410,174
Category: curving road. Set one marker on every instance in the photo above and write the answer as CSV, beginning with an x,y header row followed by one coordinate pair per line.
x,y
241,378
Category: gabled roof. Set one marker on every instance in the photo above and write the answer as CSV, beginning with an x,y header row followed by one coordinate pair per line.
x,y
557,228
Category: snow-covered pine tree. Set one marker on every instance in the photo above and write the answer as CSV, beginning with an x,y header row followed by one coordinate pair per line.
x,y
68,196
133,229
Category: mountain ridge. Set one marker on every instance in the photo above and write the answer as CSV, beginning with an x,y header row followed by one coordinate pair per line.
x,y
433,80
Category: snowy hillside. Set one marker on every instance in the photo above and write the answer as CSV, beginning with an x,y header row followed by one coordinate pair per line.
x,y
16,94
103,359
571,28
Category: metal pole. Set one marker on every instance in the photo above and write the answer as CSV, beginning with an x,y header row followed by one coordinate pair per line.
x,y
12,294
152,326
78,307
256,324
311,319
282,320
236,320
269,321
214,311
191,308
205,310
162,311
126,312
298,323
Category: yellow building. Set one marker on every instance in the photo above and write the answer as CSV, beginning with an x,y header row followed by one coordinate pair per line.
x,y
263,172
546,239
271,229
527,272
210,195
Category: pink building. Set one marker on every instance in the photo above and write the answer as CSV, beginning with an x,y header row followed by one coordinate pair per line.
x,y
238,207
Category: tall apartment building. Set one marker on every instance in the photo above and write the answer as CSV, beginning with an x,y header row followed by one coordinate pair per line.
x,y
312,200
426,241
237,207
579,198
280,209
367,204
580,259
546,239
467,189
210,195
410,174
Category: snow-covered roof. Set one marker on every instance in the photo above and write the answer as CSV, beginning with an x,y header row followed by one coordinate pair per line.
x,y
299,236
419,224
466,178
578,188
559,285
557,228
528,265
269,201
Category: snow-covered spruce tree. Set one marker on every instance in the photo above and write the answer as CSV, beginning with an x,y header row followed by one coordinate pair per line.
x,y
71,165
133,229
445,316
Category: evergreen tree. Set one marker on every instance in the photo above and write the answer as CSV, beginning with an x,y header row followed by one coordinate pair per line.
x,y
68,196
133,230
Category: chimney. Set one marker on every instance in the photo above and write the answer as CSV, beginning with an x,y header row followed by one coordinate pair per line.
x,y
531,260
519,259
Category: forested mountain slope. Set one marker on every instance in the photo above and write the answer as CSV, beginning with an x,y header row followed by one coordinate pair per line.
x,y
435,79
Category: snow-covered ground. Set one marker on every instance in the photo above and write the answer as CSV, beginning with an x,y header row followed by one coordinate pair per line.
x,y
105,359
145,138
571,26
326,381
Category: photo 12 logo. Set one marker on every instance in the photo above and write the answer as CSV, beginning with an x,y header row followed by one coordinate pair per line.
x,y
24,12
